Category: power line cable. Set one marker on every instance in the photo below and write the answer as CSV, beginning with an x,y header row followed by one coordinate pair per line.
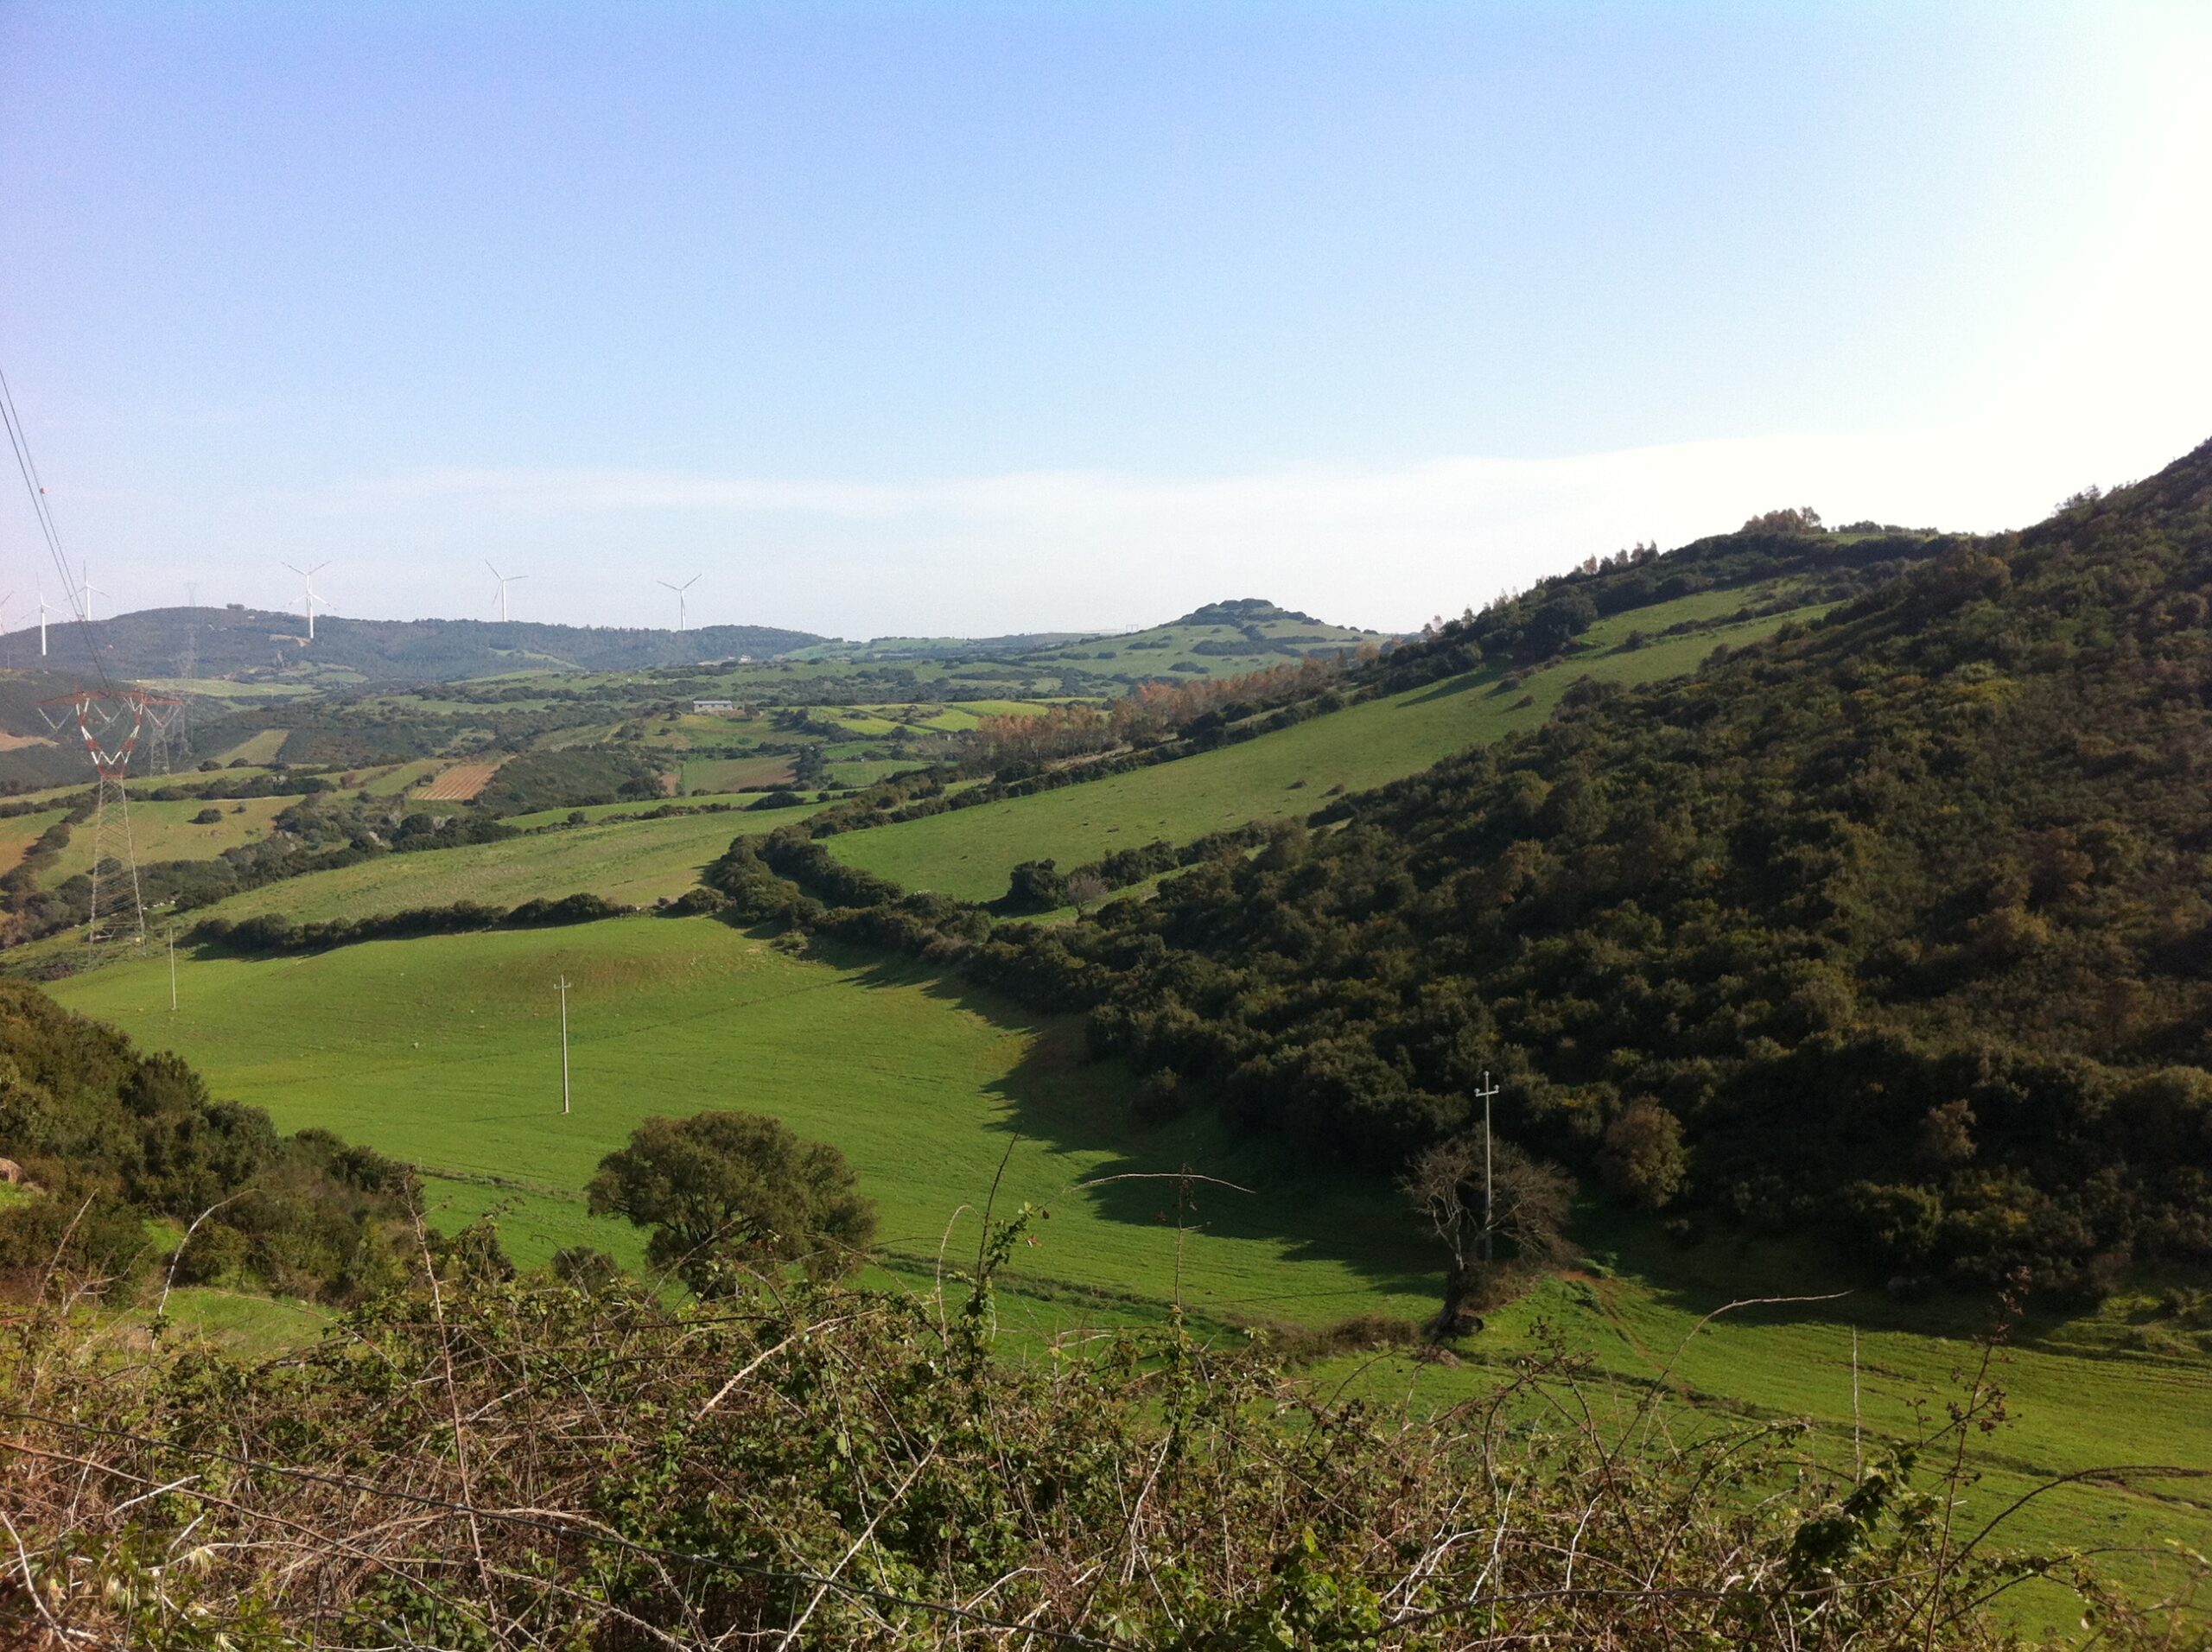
x,y
79,606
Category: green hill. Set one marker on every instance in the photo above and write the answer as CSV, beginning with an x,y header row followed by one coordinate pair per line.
x,y
1220,639
1891,930
1290,772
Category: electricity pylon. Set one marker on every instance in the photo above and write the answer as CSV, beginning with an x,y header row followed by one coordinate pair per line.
x,y
99,713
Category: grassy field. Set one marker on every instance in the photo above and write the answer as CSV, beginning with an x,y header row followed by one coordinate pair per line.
x,y
164,831
445,1051
967,854
714,774
852,772
254,748
645,806
402,776
631,861
18,833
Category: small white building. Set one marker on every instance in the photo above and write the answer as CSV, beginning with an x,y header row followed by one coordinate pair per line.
x,y
704,706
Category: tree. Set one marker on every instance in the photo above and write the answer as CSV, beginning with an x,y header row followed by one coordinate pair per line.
x,y
1643,1157
1085,890
1558,622
1802,519
1034,886
721,1189
1529,1202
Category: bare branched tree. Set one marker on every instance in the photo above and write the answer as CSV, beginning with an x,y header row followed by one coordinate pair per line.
x,y
1529,1204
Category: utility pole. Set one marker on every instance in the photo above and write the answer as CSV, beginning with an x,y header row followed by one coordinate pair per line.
x,y
564,1045
1488,1091
172,969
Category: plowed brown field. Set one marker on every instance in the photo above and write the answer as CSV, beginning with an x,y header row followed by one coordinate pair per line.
x,y
458,784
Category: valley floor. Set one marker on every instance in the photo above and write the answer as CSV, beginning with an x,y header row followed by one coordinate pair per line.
x,y
445,1051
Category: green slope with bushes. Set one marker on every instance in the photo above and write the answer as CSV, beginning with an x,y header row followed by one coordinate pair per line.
x,y
1895,931
1291,772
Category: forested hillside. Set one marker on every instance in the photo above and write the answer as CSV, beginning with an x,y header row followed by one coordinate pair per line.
x,y
1892,928
1897,928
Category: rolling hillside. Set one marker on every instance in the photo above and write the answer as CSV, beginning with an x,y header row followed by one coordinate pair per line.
x,y
1220,639
217,642
1291,772
1891,930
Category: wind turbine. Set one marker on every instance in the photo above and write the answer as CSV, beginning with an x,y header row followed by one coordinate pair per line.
x,y
41,625
89,589
680,590
307,597
504,579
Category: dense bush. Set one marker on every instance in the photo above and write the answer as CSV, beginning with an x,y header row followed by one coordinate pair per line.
x,y
581,1462
110,1138
565,779
273,933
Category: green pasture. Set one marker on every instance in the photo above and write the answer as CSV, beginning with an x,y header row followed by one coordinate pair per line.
x,y
445,1051
630,860
952,717
139,783
564,740
255,1327
223,688
866,724
19,832
402,776
713,774
969,852
630,809
254,749
164,831
1861,1370
847,773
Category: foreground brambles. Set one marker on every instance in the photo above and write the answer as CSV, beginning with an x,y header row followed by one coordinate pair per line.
x,y
489,1462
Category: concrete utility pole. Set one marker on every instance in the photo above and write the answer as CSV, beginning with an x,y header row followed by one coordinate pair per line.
x,y
1488,1091
564,1043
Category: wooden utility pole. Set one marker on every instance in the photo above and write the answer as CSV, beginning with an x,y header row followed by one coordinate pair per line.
x,y
1488,1091
172,969
564,1043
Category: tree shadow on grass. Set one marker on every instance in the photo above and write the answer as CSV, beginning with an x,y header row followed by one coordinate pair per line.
x,y
1135,1174
1055,1099
1725,1266
1452,686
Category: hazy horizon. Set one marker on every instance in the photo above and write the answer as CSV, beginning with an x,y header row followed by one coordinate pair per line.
x,y
978,320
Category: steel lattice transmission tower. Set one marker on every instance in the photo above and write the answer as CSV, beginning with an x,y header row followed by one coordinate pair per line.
x,y
100,714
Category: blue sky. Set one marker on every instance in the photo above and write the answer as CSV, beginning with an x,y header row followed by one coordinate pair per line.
x,y
938,318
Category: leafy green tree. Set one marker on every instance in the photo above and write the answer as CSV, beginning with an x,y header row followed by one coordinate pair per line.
x,y
723,1190
1643,1156
1034,887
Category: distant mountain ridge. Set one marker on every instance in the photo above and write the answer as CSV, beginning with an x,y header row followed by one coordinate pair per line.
x,y
164,643
222,642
